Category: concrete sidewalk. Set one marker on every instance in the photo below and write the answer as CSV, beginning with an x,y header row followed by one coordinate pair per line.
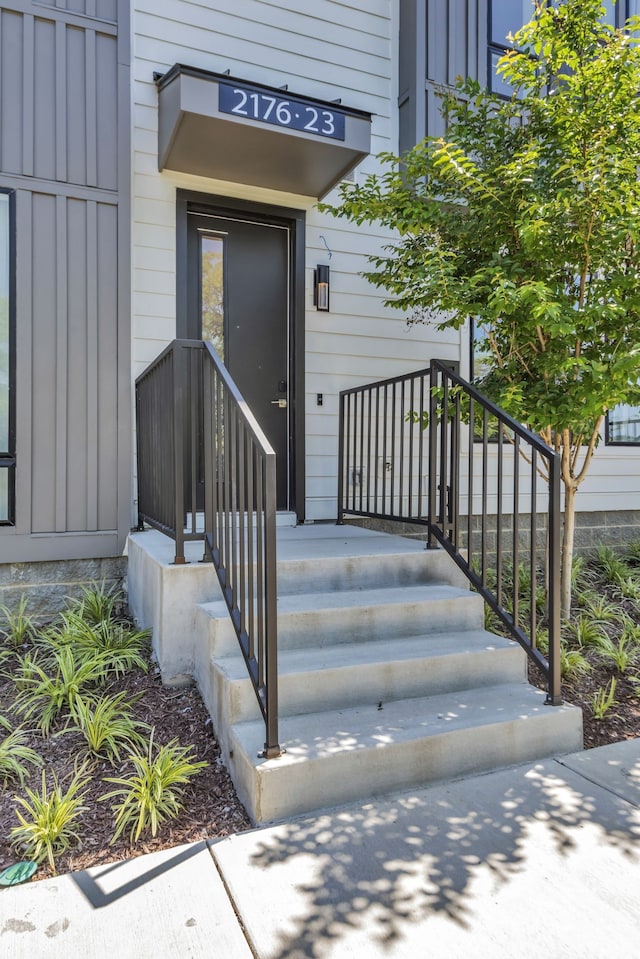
x,y
540,859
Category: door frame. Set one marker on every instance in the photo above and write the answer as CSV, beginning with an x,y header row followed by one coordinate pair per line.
x,y
191,201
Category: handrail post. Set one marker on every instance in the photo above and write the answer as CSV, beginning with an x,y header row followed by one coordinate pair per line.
x,y
208,446
179,390
271,747
433,457
554,697
341,408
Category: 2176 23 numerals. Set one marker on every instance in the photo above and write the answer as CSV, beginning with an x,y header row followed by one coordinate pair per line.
x,y
287,113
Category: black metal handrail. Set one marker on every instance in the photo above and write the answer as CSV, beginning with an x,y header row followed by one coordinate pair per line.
x,y
495,509
167,443
383,450
206,471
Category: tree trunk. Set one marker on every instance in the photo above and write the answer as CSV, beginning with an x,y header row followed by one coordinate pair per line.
x,y
567,549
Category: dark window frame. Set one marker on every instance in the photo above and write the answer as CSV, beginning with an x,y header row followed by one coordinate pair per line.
x,y
295,219
499,49
607,430
8,457
607,434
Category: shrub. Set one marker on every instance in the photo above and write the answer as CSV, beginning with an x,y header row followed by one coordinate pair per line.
x,y
108,726
15,753
152,794
18,627
47,819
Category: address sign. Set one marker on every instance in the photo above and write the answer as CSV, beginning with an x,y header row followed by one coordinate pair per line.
x,y
241,100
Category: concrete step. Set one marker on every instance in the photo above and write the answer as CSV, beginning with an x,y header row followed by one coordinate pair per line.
x,y
340,565
349,616
366,615
336,756
352,674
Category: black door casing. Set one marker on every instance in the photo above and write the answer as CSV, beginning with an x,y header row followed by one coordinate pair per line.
x,y
256,272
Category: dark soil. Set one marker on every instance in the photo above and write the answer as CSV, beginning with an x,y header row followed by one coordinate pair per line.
x,y
623,719
211,807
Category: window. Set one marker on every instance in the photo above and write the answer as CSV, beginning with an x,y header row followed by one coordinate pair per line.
x,y
7,358
623,426
507,16
212,289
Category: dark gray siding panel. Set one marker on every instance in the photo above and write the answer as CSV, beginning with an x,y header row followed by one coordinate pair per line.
x,y
440,40
105,112
102,9
11,98
80,368
75,341
58,100
75,107
44,152
456,31
64,146
45,395
106,382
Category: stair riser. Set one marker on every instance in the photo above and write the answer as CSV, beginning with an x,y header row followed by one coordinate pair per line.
x,y
368,572
326,627
272,792
215,629
371,683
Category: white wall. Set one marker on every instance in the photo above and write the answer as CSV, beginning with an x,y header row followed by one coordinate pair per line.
x,y
328,49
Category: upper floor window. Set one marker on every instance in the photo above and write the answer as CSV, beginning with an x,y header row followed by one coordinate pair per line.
x,y
623,426
507,16
7,348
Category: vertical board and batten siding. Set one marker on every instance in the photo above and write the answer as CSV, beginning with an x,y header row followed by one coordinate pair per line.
x,y
64,148
440,40
332,49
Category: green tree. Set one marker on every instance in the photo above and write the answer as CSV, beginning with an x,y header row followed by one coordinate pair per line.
x,y
525,219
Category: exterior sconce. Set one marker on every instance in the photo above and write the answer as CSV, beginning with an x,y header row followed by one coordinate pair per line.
x,y
321,288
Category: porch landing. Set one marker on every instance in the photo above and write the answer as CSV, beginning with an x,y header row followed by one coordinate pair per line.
x,y
387,678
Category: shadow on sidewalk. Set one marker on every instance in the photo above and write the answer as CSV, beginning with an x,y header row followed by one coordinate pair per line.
x,y
375,873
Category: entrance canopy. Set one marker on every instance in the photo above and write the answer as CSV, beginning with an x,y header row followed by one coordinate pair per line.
x,y
222,127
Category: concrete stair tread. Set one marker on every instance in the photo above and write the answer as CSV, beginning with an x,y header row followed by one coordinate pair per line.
x,y
363,619
323,735
401,649
357,598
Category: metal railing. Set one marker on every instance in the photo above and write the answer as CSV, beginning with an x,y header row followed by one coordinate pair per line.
x,y
383,449
206,471
494,506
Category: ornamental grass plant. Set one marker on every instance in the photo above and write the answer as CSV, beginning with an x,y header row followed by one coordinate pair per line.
x,y
70,687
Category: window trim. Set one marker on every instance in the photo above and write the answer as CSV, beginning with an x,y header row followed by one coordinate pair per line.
x,y
501,48
8,457
620,443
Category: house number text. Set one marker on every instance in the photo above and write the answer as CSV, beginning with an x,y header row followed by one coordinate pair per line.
x,y
243,101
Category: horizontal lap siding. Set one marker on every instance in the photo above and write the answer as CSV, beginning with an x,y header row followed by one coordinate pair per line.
x,y
59,140
330,50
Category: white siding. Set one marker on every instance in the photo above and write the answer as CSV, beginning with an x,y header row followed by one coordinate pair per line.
x,y
336,49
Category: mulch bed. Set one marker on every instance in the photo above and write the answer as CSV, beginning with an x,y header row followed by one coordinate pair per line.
x,y
211,807
622,722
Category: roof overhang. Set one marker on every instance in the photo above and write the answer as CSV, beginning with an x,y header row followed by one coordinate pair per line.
x,y
221,127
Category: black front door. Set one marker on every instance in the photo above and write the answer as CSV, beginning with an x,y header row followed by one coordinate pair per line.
x,y
239,278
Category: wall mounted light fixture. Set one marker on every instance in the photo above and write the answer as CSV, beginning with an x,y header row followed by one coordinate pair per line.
x,y
321,287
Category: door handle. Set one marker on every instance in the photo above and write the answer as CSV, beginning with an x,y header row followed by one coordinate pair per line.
x,y
282,404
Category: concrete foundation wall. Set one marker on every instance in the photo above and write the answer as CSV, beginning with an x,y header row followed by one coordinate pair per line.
x,y
48,585
612,527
